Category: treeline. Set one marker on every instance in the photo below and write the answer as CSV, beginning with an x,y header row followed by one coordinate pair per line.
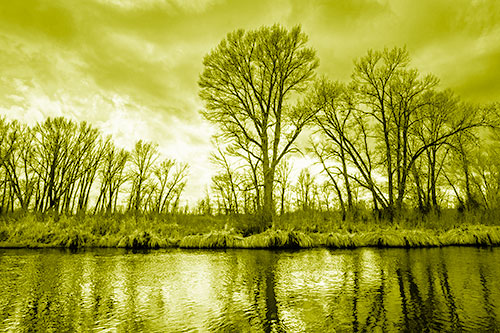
x,y
388,140
67,167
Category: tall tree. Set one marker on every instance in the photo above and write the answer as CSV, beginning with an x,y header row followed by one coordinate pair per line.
x,y
111,175
171,180
18,164
143,158
393,98
57,164
248,84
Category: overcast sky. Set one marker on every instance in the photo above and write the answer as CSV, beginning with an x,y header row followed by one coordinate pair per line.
x,y
131,67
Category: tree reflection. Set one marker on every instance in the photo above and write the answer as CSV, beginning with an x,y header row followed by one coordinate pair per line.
x,y
454,319
253,290
268,261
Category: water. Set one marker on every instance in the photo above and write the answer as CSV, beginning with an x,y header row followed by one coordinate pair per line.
x,y
449,289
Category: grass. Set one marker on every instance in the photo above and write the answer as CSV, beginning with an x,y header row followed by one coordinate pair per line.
x,y
189,231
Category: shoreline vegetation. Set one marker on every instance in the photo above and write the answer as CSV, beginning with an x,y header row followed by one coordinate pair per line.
x,y
130,231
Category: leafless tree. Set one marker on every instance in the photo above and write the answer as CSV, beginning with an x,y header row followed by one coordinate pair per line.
x,y
112,176
170,178
306,190
143,158
283,179
249,84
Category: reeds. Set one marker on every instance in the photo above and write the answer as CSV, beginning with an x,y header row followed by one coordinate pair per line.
x,y
474,236
141,232
212,240
278,239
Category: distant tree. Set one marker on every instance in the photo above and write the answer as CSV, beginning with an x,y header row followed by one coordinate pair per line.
x,y
306,190
143,158
227,181
93,150
248,84
204,206
460,171
283,179
326,190
85,154
324,154
112,176
170,177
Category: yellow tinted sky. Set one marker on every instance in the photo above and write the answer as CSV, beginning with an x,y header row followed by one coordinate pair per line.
x,y
131,67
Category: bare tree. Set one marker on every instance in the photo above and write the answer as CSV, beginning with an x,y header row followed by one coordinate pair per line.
x,y
394,97
18,164
57,163
228,180
9,137
337,122
460,171
248,84
112,176
436,119
171,180
305,190
326,196
283,179
143,158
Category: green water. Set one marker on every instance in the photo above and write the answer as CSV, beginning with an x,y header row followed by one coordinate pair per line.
x,y
449,289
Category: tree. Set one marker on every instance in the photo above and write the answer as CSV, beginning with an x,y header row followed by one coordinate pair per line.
x,y
337,122
347,150
171,180
227,181
283,179
437,115
18,164
143,158
112,176
58,154
305,190
390,93
9,139
393,98
249,83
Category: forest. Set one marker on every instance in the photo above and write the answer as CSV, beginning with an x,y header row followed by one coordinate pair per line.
x,y
403,162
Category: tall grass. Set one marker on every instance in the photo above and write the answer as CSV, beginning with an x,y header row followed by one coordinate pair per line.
x,y
188,231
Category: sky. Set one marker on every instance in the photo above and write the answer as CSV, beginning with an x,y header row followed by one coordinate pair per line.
x,y
131,67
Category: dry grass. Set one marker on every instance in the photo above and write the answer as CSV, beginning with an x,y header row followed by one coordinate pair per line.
x,y
130,231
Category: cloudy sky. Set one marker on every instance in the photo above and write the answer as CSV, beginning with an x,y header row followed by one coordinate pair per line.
x,y
131,67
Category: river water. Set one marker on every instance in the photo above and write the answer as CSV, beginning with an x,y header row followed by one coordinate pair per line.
x,y
320,290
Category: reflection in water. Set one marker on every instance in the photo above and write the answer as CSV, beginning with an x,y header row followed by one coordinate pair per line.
x,y
364,290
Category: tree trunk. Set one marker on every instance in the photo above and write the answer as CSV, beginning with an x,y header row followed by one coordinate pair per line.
x,y
267,208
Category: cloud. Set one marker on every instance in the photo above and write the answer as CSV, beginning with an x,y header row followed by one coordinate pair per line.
x,y
196,6
38,19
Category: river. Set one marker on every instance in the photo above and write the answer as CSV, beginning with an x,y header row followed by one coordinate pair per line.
x,y
319,290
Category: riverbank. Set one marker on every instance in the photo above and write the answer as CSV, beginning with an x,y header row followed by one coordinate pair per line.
x,y
121,231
